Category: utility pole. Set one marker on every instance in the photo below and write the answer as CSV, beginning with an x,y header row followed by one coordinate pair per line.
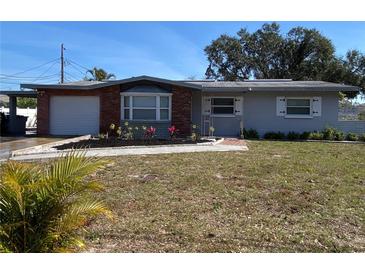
x,y
62,64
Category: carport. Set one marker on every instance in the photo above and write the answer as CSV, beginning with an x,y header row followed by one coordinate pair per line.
x,y
16,123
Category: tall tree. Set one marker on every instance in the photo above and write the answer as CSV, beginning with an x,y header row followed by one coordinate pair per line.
x,y
98,74
301,54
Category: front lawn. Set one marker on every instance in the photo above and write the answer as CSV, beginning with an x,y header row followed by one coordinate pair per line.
x,y
276,197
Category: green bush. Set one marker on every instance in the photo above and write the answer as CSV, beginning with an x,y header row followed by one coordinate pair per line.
x,y
305,135
333,134
362,137
329,133
352,137
316,135
271,135
340,136
292,135
250,134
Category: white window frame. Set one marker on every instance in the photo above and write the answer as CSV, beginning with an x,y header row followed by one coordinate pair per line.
x,y
144,94
222,115
310,115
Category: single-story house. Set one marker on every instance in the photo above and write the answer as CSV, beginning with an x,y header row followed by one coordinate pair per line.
x,y
89,107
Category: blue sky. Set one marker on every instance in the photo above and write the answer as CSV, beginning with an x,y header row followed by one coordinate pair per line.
x,y
163,49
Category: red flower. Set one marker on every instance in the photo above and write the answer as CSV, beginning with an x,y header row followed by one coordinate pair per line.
x,y
150,132
172,131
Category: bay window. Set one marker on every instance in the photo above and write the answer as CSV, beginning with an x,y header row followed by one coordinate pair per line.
x,y
146,107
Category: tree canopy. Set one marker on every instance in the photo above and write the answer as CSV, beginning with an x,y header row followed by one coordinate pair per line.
x,y
26,102
300,54
98,74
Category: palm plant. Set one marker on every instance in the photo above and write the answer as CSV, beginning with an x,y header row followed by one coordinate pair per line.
x,y
43,209
98,74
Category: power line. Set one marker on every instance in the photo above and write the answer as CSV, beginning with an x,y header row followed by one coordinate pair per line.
x,y
72,76
40,76
79,65
19,81
83,72
28,78
43,81
33,68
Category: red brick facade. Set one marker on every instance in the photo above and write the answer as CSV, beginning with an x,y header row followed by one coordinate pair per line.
x,y
110,107
181,109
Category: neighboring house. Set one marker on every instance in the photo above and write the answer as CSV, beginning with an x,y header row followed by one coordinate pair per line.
x,y
89,107
31,113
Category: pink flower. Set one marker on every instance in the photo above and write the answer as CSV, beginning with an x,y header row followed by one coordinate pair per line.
x,y
150,132
172,131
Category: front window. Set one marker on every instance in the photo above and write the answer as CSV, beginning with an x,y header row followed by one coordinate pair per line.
x,y
222,106
146,107
298,106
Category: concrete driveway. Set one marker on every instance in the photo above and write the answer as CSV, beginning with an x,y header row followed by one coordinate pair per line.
x,y
9,144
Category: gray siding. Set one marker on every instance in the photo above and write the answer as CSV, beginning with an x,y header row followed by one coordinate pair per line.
x,y
224,126
161,128
196,117
259,112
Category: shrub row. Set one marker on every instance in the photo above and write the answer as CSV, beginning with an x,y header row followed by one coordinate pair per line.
x,y
329,133
334,134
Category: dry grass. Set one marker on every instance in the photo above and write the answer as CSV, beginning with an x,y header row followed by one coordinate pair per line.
x,y
277,197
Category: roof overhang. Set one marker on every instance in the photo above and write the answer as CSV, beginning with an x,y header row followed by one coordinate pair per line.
x,y
110,83
279,89
207,86
19,93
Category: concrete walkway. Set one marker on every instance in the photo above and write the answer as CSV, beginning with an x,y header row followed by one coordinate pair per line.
x,y
10,144
48,150
110,152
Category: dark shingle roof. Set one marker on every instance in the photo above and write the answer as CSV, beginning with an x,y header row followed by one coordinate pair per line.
x,y
274,85
211,85
87,85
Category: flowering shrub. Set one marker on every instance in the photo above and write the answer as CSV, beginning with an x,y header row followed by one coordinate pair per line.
x,y
172,131
150,132
119,132
125,132
195,135
129,135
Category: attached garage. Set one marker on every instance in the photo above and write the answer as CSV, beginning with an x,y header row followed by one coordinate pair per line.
x,y
74,115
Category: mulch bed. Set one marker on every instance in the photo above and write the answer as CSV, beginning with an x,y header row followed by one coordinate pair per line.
x,y
97,143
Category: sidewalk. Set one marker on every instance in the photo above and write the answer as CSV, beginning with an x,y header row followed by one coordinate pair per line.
x,y
122,151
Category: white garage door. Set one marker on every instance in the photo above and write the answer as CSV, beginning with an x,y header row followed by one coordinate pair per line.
x,y
74,115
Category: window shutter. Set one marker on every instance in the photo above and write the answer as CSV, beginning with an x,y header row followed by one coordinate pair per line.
x,y
317,106
206,105
238,105
280,106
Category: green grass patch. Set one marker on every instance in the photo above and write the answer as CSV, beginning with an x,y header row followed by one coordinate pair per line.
x,y
276,197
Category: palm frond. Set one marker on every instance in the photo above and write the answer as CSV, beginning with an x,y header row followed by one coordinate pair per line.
x,y
77,214
42,208
73,165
